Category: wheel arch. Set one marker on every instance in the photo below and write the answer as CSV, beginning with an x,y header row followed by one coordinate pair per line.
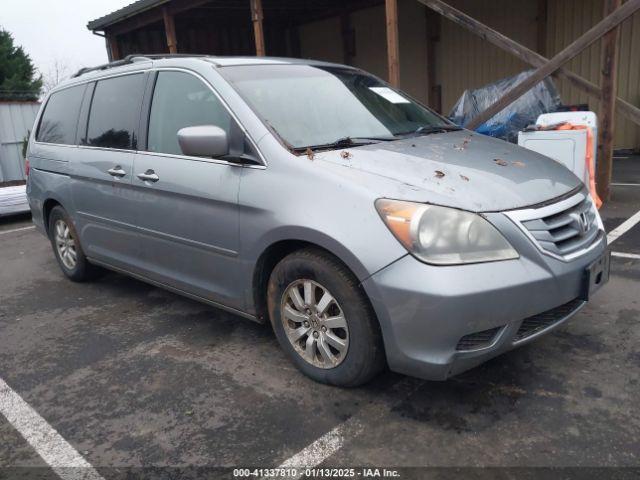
x,y
276,250
47,206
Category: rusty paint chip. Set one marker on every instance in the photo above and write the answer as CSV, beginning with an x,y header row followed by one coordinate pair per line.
x,y
310,154
464,178
499,161
464,145
345,154
439,174
518,164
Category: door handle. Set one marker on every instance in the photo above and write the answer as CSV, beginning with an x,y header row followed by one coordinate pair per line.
x,y
117,171
148,176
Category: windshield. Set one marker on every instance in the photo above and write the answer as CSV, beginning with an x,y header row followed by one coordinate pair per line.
x,y
311,106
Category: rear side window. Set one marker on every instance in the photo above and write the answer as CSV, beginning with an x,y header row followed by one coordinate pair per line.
x,y
60,117
115,112
181,100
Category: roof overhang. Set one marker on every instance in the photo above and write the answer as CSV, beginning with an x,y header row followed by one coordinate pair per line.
x,y
130,10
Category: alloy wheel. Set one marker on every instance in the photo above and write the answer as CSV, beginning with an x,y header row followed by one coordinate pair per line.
x,y
315,324
65,244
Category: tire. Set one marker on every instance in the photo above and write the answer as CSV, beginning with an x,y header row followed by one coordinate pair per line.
x,y
61,229
344,356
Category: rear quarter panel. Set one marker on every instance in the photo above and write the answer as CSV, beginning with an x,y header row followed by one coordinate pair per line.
x,y
48,179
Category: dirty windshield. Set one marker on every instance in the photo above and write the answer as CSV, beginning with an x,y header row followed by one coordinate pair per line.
x,y
317,106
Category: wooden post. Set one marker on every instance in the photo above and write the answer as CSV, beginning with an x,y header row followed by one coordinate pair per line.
x,y
606,120
114,49
434,100
348,40
393,49
170,30
294,41
541,19
526,55
593,34
257,17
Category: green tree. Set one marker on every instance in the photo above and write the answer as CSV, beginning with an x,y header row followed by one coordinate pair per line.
x,y
18,76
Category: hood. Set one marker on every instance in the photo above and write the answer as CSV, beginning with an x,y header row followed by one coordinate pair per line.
x,y
460,169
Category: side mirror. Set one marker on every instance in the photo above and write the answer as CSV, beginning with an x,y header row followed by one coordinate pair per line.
x,y
203,141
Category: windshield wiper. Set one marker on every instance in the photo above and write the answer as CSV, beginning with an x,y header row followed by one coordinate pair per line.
x,y
345,142
429,129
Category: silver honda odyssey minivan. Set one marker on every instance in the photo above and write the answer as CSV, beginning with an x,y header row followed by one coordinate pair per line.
x,y
367,229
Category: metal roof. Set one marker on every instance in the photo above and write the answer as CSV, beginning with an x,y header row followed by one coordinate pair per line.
x,y
127,11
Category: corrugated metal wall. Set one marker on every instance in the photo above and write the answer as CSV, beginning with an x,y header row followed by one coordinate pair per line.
x,y
567,20
16,120
464,61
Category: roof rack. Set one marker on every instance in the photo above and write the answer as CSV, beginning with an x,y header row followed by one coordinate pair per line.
x,y
133,58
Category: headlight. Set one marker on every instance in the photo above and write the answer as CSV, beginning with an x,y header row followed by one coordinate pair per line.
x,y
444,236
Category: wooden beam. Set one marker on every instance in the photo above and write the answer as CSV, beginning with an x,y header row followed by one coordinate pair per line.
x,y
606,120
114,48
393,48
170,30
257,17
593,34
526,55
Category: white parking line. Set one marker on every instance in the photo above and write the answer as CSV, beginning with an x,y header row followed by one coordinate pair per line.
x,y
633,256
325,446
54,450
623,228
329,443
4,232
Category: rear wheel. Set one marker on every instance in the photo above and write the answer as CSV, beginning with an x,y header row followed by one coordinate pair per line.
x,y
323,319
66,247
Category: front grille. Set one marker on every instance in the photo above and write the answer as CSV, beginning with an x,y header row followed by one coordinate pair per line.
x,y
571,229
539,322
478,340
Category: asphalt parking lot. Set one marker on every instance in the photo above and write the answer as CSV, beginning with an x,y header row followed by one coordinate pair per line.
x,y
130,375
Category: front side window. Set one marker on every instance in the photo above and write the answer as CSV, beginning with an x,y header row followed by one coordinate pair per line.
x,y
181,100
115,112
60,117
311,105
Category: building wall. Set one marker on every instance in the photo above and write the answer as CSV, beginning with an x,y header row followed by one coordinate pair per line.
x,y
567,20
464,61
323,41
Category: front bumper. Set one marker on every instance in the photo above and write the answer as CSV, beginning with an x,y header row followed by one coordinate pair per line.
x,y
426,311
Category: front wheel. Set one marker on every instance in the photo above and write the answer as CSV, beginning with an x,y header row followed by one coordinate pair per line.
x,y
323,319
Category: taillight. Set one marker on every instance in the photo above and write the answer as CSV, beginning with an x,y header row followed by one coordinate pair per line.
x,y
26,167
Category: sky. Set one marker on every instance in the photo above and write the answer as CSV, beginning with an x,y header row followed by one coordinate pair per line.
x,y
55,31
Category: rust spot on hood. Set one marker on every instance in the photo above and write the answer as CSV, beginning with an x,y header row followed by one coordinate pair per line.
x,y
464,144
439,174
345,155
502,163
464,178
309,153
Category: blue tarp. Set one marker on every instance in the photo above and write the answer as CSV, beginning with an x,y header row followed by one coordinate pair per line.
x,y
542,98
